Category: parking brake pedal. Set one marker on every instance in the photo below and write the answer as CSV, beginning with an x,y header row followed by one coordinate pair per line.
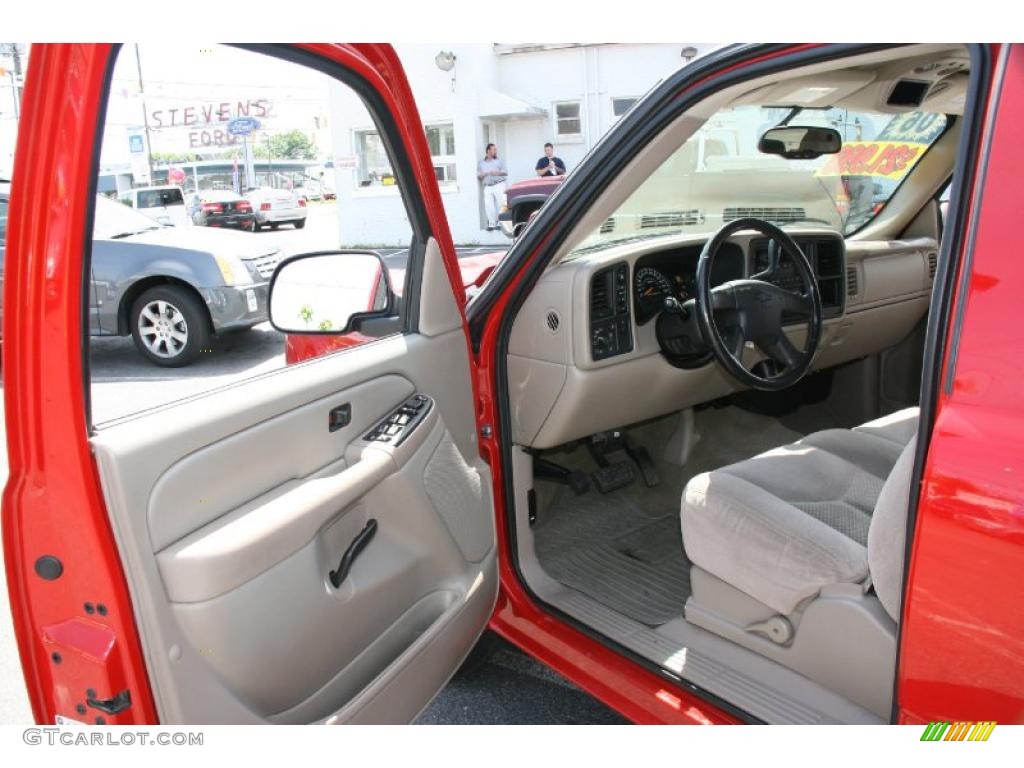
x,y
574,478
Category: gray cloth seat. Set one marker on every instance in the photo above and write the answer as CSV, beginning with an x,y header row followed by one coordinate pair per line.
x,y
827,509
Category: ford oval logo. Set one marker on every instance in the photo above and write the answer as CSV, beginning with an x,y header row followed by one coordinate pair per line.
x,y
243,126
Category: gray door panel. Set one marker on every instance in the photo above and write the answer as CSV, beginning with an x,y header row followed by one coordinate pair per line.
x,y
230,510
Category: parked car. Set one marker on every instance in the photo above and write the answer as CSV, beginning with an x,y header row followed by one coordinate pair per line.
x,y
173,289
222,208
722,462
310,190
274,207
164,205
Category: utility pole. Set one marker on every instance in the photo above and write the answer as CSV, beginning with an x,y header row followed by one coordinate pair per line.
x,y
16,58
145,115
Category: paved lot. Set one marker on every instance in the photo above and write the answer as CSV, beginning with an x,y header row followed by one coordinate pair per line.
x,y
510,688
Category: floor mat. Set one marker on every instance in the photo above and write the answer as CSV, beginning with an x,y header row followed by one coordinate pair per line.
x,y
643,574
624,549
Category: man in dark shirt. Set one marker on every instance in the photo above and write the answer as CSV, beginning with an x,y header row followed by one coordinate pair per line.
x,y
549,165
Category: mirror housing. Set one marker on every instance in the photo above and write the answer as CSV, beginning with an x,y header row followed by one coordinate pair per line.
x,y
800,142
329,292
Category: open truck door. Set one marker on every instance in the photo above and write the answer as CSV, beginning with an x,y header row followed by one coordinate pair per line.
x,y
270,551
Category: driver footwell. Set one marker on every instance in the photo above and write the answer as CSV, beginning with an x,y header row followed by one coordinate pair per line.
x,y
624,549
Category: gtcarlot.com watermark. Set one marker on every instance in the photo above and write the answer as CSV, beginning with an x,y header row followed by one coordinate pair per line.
x,y
106,738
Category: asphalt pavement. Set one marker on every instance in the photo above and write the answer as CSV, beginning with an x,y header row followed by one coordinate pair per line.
x,y
508,688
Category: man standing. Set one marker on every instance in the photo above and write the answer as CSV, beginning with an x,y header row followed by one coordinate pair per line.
x,y
549,165
492,173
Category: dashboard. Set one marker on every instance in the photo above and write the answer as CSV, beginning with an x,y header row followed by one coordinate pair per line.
x,y
671,273
584,354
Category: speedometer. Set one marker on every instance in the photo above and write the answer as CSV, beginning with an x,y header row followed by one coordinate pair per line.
x,y
651,287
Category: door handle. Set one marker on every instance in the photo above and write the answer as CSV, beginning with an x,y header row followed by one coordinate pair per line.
x,y
354,549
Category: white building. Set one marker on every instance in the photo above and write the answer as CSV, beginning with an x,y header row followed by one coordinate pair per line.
x,y
517,96
10,84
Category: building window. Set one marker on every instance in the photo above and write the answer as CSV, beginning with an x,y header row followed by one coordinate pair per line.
x,y
441,140
374,166
567,119
622,105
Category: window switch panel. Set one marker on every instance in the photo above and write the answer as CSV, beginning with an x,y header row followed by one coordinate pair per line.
x,y
398,424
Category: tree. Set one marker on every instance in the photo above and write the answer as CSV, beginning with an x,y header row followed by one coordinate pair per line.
x,y
293,145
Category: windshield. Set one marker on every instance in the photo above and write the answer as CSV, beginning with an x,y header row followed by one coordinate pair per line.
x,y
157,198
118,220
718,175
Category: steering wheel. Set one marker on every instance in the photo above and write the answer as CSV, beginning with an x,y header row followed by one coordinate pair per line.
x,y
731,314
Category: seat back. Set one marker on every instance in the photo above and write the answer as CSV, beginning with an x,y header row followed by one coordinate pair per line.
x,y
887,533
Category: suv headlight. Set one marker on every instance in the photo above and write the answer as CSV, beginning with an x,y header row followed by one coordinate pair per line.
x,y
233,270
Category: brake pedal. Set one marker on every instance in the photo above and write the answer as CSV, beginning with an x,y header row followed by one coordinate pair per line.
x,y
613,476
643,460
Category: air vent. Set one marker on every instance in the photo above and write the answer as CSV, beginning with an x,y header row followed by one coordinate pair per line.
x,y
830,260
672,219
552,321
933,263
600,307
851,281
608,226
777,215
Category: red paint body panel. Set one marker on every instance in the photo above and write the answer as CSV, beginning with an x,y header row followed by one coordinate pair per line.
x,y
963,636
53,504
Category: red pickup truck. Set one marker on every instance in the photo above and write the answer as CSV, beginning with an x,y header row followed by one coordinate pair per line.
x,y
523,199
736,457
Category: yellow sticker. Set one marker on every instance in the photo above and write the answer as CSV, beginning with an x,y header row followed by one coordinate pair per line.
x,y
889,159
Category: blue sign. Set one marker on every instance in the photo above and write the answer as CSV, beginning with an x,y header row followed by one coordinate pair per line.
x,y
243,126
135,143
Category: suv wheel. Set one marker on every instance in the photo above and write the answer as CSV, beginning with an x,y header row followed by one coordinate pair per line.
x,y
170,326
299,223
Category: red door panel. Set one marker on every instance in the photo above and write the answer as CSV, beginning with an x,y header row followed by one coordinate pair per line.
x,y
962,652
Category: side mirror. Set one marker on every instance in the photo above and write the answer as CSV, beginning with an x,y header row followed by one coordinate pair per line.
x,y
800,142
329,292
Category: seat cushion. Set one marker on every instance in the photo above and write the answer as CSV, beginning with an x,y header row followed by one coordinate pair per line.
x,y
783,524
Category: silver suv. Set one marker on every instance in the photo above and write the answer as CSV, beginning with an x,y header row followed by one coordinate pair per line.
x,y
171,288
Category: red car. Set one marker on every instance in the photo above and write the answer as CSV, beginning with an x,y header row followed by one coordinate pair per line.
x,y
523,199
740,455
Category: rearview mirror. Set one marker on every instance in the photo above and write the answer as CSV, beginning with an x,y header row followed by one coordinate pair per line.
x,y
800,142
329,292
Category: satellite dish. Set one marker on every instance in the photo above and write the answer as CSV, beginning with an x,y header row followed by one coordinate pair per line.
x,y
445,61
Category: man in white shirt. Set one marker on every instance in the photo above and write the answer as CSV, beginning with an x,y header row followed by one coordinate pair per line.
x,y
492,173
